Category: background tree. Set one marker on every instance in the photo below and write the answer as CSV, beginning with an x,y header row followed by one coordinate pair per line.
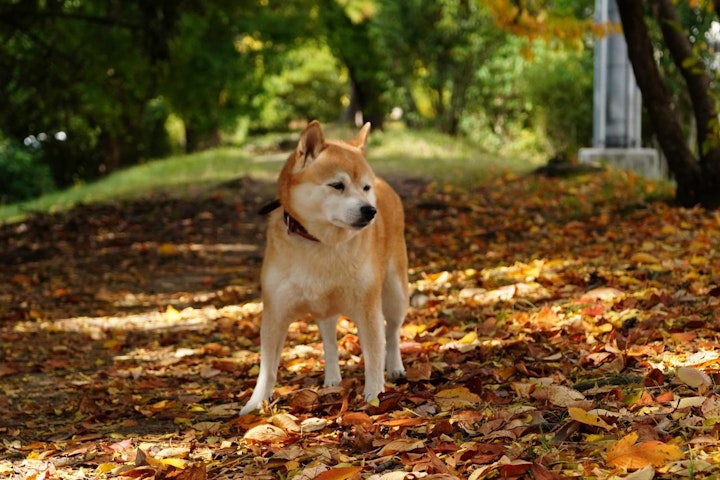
x,y
697,175
347,27
437,49
112,76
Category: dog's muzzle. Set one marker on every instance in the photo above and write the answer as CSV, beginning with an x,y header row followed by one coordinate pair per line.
x,y
367,213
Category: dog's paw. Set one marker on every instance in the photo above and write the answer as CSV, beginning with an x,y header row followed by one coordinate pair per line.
x,y
250,407
396,374
331,382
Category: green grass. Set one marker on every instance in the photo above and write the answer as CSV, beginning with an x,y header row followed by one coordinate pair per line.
x,y
395,151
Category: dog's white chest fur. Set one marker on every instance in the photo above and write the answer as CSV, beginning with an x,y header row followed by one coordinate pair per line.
x,y
317,279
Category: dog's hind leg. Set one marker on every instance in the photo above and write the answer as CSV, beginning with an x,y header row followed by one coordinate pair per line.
x,y
328,331
395,300
273,331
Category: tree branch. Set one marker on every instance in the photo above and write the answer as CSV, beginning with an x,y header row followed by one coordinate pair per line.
x,y
105,21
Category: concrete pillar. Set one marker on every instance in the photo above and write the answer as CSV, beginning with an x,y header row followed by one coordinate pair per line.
x,y
617,104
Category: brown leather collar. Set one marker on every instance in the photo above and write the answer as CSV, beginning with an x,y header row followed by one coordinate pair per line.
x,y
293,226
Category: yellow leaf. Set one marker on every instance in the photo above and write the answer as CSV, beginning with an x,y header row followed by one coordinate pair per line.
x,y
106,467
644,258
167,249
459,397
171,313
580,415
627,454
175,462
468,338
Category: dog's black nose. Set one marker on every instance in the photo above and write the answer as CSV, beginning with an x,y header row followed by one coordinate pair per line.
x,y
368,212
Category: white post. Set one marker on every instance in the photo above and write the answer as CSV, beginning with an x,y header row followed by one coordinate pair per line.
x,y
617,104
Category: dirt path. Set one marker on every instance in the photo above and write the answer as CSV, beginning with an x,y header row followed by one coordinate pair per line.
x,y
128,341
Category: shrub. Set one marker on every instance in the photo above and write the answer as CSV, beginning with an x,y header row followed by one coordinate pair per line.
x,y
22,175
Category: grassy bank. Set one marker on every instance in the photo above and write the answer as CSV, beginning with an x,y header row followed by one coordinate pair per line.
x,y
391,152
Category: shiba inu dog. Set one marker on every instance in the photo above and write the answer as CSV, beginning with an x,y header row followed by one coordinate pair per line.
x,y
335,246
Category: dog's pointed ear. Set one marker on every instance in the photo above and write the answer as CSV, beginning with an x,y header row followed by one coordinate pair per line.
x,y
360,140
311,143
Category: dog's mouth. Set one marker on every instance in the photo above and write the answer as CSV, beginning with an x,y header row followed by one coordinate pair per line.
x,y
362,223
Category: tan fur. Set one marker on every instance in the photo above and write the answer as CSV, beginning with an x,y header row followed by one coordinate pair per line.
x,y
355,270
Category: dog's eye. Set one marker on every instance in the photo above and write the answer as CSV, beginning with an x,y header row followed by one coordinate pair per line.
x,y
339,186
366,188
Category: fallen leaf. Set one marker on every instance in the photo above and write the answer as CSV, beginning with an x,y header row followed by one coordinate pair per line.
x,y
627,454
580,415
265,434
559,395
644,258
645,473
286,421
313,424
711,407
339,473
693,378
459,397
401,445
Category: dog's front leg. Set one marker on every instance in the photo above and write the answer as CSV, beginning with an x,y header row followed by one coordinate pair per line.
x,y
328,332
273,331
371,331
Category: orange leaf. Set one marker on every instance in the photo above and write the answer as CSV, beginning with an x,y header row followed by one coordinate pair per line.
x,y
627,454
356,418
340,473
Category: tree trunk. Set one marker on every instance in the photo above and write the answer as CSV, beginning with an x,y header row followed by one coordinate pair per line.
x,y
353,45
691,66
353,107
656,99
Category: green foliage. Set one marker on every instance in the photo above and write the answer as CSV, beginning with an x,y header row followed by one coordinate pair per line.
x,y
22,176
437,49
116,76
311,85
561,92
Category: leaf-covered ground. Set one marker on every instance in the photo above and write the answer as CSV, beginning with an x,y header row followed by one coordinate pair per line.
x,y
559,328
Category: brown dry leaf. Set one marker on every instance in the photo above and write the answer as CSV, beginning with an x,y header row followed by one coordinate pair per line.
x,y
645,473
313,424
419,371
401,445
693,378
558,395
711,407
454,398
196,472
286,421
265,434
627,454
